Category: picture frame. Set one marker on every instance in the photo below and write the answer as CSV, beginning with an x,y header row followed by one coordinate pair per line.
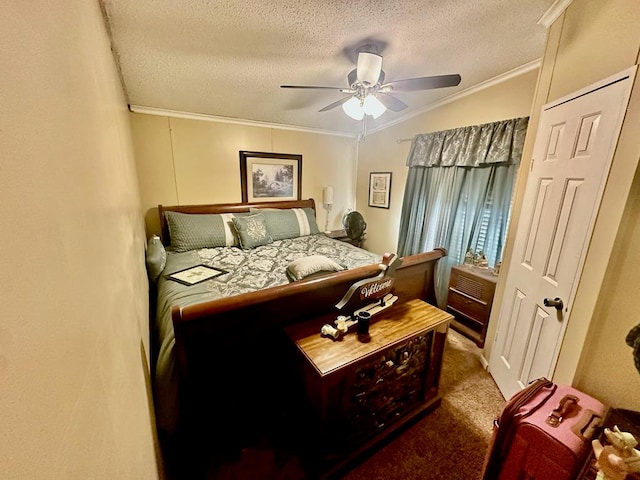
x,y
193,275
379,189
270,177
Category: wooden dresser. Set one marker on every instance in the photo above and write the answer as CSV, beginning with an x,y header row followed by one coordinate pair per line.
x,y
360,392
470,297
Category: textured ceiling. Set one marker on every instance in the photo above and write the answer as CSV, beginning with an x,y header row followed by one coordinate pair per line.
x,y
229,58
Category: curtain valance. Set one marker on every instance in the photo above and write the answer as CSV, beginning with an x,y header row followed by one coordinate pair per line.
x,y
475,146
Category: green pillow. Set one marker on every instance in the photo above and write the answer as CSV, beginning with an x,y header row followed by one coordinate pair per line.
x,y
156,258
252,231
289,223
190,231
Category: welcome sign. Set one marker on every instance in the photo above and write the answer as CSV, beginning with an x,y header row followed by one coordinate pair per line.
x,y
375,287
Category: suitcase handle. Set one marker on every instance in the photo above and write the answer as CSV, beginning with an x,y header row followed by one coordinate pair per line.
x,y
589,426
566,406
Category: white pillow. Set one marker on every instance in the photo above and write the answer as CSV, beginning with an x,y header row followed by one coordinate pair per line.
x,y
305,266
156,257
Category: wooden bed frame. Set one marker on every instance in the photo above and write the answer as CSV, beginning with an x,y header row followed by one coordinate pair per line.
x,y
221,345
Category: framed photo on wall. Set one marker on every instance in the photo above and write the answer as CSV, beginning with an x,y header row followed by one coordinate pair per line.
x,y
379,189
270,177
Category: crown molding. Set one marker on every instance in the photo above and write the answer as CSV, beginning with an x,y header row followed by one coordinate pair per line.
x,y
213,118
554,11
527,67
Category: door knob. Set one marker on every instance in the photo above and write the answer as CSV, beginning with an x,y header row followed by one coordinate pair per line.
x,y
556,302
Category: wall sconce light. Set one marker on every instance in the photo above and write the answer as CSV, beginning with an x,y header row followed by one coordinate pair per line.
x,y
327,204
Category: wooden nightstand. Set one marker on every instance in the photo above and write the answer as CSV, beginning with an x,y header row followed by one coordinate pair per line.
x,y
343,237
470,297
361,392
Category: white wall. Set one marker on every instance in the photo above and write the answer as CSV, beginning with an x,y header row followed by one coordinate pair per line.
x,y
183,161
74,401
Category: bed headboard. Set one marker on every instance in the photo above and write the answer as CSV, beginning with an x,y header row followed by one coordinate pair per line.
x,y
225,208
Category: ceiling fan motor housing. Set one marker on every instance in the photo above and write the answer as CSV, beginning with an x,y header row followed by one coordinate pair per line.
x,y
352,78
368,68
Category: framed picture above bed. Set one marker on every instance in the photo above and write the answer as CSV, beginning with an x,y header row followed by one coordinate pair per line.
x,y
270,177
379,189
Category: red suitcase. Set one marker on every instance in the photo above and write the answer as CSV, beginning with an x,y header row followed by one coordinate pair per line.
x,y
543,433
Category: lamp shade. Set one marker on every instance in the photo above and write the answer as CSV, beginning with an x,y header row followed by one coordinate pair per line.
x,y
372,106
327,196
353,108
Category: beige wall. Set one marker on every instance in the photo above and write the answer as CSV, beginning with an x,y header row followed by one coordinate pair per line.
x,y
380,152
591,41
184,161
73,337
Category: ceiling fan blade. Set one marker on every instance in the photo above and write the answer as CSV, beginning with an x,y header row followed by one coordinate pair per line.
x,y
335,104
312,87
424,83
392,103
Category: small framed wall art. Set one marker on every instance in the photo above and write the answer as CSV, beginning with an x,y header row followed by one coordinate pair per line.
x,y
270,177
199,273
379,189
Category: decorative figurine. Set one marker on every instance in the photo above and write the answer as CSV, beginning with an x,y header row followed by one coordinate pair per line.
x,y
496,268
329,331
615,461
376,288
343,323
481,260
469,258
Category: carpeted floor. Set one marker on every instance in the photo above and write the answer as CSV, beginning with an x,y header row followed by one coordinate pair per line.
x,y
448,443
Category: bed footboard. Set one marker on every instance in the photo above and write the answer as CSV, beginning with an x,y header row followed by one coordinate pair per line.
x,y
228,351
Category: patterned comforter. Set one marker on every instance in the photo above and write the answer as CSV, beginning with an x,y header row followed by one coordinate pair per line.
x,y
248,271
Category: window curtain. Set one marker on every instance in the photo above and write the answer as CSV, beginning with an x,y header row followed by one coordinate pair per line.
x,y
458,193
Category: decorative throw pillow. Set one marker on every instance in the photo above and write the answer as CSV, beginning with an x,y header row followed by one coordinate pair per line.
x,y
305,266
252,231
289,223
156,258
190,231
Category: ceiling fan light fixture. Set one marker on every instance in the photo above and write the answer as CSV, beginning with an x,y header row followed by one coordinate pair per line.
x,y
368,94
372,106
369,68
353,108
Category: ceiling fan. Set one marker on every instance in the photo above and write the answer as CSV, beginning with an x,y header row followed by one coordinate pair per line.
x,y
367,94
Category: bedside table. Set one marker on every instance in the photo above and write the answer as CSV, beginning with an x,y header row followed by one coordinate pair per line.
x,y
343,237
470,298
